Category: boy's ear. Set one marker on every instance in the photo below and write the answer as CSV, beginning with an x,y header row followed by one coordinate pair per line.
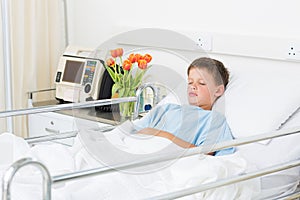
x,y
220,91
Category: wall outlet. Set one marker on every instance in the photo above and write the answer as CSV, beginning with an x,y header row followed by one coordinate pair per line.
x,y
203,41
293,51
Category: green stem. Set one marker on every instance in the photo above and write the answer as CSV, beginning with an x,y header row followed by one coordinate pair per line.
x,y
116,73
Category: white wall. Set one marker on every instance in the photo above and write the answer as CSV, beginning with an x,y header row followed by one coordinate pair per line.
x,y
93,21
250,37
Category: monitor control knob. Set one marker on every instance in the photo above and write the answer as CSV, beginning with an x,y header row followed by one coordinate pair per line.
x,y
87,88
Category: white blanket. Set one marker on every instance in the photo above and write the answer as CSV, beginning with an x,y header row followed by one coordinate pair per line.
x,y
122,184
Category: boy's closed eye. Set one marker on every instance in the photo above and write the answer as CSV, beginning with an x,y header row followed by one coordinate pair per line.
x,y
200,83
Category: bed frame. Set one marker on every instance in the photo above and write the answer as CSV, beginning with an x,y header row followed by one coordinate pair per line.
x,y
49,180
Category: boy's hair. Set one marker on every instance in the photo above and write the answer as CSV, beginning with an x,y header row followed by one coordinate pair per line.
x,y
214,67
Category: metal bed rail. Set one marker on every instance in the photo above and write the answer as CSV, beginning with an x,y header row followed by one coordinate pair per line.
x,y
88,104
231,180
166,157
47,181
162,157
10,173
46,138
195,151
190,152
68,106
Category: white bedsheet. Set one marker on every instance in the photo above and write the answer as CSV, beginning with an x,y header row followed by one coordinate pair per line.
x,y
183,173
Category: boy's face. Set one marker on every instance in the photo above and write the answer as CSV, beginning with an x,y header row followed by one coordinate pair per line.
x,y
202,89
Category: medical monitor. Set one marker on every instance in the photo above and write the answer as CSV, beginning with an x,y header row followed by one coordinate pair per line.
x,y
73,71
78,77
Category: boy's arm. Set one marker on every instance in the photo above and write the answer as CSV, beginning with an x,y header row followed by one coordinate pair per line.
x,y
164,134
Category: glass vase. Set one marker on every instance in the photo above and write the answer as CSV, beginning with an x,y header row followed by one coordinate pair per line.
x,y
126,109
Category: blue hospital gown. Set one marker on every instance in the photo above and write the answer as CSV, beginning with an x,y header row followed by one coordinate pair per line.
x,y
189,123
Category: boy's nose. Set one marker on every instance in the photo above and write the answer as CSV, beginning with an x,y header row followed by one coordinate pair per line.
x,y
192,87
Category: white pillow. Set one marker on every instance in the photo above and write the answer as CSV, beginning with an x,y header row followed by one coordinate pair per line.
x,y
259,104
292,121
262,96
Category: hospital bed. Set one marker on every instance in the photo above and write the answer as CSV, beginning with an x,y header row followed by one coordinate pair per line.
x,y
50,181
278,176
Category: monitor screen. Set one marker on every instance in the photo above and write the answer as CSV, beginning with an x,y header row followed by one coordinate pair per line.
x,y
73,71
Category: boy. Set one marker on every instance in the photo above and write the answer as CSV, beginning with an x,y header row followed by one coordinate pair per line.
x,y
195,124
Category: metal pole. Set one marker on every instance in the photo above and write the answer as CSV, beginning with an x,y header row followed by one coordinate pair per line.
x,y
7,61
66,23
69,106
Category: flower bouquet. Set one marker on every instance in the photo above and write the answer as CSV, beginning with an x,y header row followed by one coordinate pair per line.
x,y
126,77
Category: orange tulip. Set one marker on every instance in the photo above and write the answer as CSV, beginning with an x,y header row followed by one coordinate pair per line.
x,y
114,53
127,65
119,52
142,64
132,58
147,57
138,57
110,62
